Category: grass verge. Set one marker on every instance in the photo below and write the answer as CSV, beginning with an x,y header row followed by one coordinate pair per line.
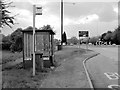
x,y
17,77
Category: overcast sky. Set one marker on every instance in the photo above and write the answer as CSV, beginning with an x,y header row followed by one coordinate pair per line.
x,y
95,16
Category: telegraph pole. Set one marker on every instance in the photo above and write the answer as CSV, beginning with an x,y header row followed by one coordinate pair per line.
x,y
61,21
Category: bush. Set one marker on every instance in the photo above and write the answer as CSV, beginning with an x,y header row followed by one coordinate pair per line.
x,y
6,46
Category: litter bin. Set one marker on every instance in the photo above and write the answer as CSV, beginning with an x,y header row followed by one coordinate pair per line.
x,y
38,61
59,47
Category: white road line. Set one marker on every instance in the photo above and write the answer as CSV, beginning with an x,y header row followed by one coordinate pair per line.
x,y
111,76
114,86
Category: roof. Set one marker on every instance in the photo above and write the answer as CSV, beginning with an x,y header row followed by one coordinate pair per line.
x,y
38,30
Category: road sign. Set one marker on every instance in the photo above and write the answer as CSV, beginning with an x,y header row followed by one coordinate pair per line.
x,y
83,33
38,10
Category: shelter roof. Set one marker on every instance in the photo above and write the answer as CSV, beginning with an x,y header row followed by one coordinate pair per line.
x,y
38,30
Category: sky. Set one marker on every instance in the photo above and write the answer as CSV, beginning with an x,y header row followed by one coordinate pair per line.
x,y
96,16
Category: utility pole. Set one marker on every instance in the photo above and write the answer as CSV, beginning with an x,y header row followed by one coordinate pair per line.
x,y
61,21
62,24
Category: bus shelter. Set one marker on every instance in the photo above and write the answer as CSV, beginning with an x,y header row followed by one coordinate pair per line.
x,y
43,46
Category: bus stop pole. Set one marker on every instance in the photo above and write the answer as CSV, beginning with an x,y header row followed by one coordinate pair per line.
x,y
34,40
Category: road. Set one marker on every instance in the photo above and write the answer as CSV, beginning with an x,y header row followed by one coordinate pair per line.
x,y
103,68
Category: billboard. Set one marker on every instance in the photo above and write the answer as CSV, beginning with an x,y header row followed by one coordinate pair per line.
x,y
83,34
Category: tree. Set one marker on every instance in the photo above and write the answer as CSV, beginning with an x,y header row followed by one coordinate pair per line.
x,y
46,27
72,40
56,42
5,17
17,40
107,37
113,37
85,40
102,36
116,36
29,28
6,43
16,34
93,40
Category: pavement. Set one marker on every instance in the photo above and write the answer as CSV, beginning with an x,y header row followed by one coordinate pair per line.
x,y
70,74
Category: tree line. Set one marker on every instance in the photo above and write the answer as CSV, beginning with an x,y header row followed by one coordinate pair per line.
x,y
109,37
14,41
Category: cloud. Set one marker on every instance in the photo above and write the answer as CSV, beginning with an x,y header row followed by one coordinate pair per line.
x,y
104,10
115,10
41,2
82,15
107,14
23,14
52,20
88,19
81,19
68,21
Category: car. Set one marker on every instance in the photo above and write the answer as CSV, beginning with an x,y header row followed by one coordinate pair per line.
x,y
114,44
90,43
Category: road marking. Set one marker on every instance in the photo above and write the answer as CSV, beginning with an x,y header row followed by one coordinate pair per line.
x,y
117,74
112,76
114,87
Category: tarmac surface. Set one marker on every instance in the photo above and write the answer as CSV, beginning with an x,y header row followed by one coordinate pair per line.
x,y
103,68
70,74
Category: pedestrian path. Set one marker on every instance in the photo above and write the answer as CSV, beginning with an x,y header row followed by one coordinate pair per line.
x,y
70,74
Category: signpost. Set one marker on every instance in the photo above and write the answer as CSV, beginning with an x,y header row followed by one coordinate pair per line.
x,y
83,34
36,11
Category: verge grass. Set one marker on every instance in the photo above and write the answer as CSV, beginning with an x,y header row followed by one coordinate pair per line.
x,y
22,78
8,56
